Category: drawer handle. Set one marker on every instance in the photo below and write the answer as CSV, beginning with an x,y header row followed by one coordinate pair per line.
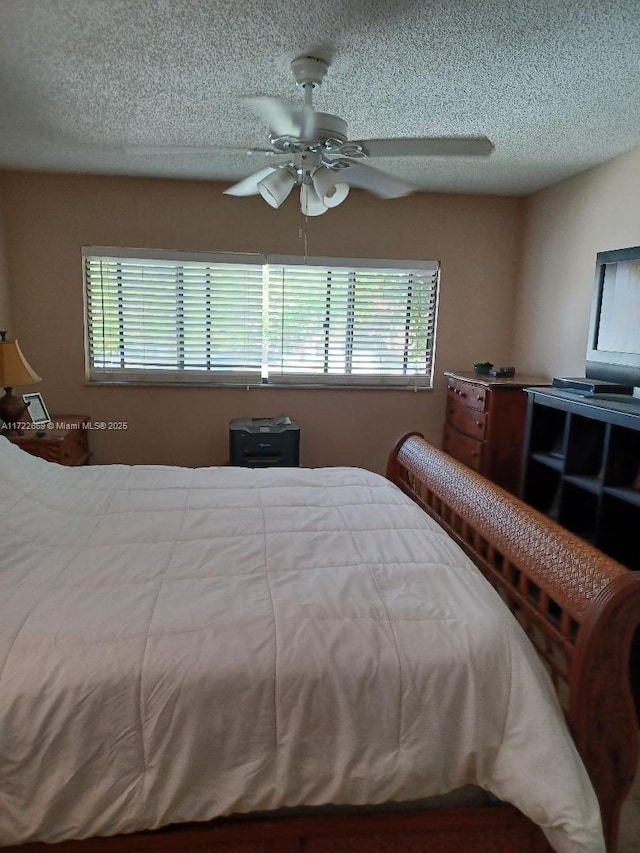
x,y
478,423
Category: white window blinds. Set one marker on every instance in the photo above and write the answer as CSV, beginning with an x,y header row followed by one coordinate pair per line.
x,y
351,324
173,318
228,319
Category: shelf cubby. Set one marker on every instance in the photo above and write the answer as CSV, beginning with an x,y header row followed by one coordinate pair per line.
x,y
578,509
548,433
623,462
585,447
616,534
543,486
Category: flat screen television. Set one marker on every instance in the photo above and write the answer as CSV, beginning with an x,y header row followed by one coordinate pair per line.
x,y
613,346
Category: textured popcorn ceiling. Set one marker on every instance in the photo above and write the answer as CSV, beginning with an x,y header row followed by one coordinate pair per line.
x,y
86,84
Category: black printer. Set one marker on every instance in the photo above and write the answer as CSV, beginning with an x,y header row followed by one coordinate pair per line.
x,y
264,442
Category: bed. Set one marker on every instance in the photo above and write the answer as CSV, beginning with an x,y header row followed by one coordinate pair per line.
x,y
242,661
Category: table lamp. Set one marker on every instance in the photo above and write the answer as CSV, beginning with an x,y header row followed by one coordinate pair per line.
x,y
14,370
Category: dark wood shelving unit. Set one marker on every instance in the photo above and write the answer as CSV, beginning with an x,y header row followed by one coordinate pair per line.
x,y
581,466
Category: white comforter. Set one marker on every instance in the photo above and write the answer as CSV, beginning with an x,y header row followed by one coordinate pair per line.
x,y
178,644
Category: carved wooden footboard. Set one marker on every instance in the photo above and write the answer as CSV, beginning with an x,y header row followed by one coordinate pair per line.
x,y
580,608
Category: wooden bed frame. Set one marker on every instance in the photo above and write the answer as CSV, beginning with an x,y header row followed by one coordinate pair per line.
x,y
581,611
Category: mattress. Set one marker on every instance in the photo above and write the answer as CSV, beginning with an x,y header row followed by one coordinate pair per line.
x,y
180,644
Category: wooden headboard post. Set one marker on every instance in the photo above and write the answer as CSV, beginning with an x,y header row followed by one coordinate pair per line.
x,y
580,608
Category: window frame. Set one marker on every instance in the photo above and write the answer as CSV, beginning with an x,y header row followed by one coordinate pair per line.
x,y
213,378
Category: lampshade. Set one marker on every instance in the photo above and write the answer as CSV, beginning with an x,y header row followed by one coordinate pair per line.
x,y
310,202
277,185
14,369
330,189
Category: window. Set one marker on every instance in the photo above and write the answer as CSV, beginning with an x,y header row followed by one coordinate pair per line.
x,y
231,319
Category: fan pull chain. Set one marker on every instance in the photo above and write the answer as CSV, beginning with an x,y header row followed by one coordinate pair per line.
x,y
302,234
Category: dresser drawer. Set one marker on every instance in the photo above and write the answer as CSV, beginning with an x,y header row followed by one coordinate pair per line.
x,y
467,394
470,421
462,447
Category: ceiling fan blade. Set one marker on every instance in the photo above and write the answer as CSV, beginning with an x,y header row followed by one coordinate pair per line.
x,y
249,185
194,150
285,118
443,146
378,183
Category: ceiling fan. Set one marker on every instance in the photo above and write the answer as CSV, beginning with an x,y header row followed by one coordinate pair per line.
x,y
324,162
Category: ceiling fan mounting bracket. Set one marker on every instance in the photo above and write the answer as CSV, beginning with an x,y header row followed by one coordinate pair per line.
x,y
307,70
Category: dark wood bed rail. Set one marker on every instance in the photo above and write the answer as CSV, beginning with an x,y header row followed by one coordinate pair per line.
x,y
580,608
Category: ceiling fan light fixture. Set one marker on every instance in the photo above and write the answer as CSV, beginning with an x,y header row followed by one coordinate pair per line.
x,y
275,188
330,189
310,202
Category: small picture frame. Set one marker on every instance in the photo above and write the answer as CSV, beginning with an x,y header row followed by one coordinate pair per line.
x,y
36,409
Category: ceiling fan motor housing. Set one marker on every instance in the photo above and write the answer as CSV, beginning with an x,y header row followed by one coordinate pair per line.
x,y
329,128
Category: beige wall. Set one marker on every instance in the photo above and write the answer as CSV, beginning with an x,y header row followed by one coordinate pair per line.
x,y
551,238
565,226
477,239
5,316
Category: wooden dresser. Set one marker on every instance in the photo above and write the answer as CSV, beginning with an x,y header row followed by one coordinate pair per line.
x,y
67,443
485,423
